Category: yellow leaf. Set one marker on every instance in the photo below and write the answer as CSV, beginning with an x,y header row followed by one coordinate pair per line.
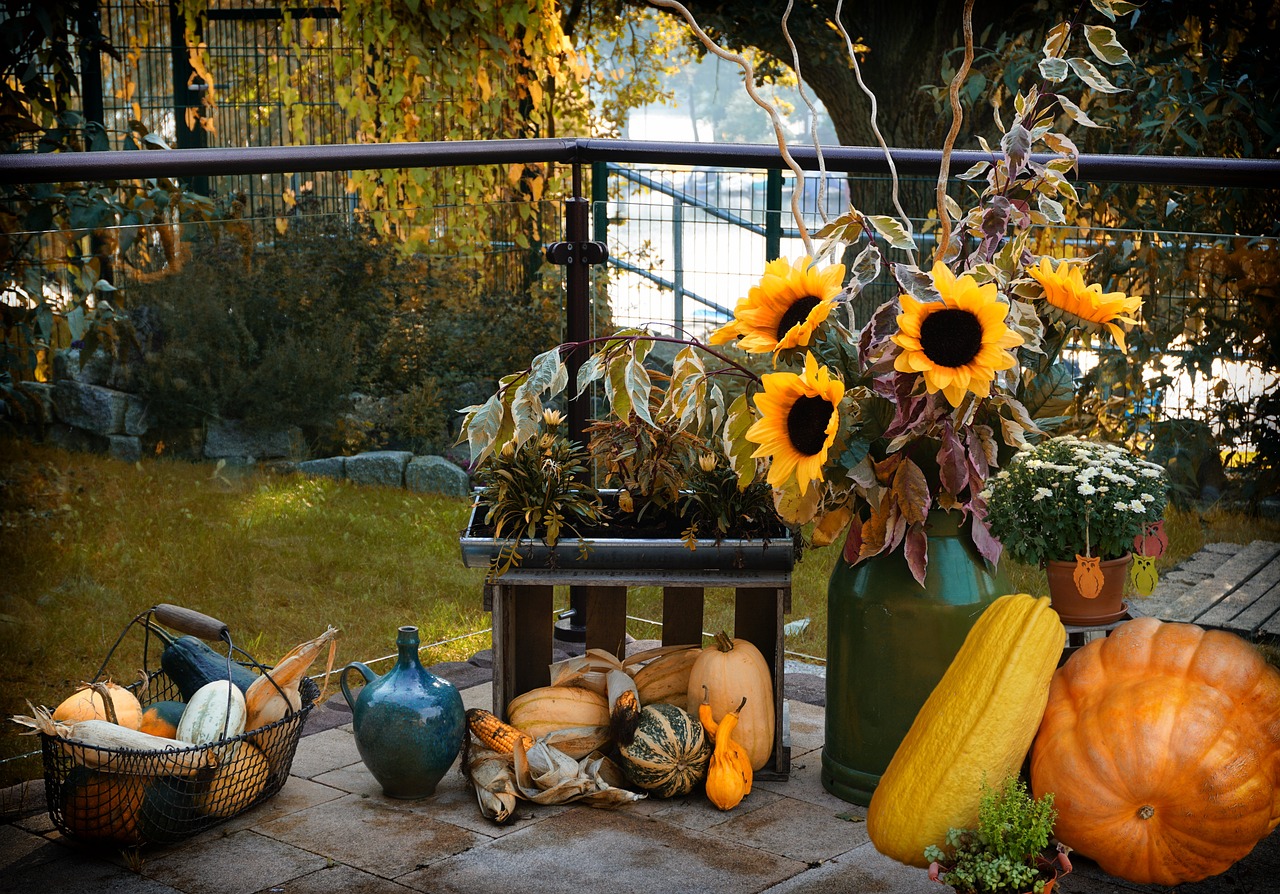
x,y
482,80
282,224
829,526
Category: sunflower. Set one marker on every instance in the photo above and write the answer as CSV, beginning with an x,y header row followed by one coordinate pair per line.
x,y
785,308
1088,307
957,343
798,424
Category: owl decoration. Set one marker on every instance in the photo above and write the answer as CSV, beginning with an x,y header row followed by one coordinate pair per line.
x,y
1153,541
1143,574
1088,576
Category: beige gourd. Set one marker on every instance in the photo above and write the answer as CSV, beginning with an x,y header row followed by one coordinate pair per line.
x,y
731,670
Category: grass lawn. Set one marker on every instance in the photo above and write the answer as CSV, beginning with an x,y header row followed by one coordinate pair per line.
x,y
87,542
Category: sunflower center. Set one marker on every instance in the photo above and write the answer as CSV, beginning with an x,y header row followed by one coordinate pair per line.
x,y
807,424
951,337
796,313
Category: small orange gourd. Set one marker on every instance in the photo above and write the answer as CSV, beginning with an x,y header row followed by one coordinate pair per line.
x,y
87,703
729,775
1161,744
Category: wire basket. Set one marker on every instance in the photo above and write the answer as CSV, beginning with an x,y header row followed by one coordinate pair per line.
x,y
125,798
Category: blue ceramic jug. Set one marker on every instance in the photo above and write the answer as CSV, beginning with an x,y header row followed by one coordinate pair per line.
x,y
409,723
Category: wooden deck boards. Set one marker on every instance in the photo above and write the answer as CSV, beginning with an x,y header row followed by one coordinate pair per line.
x,y
1227,586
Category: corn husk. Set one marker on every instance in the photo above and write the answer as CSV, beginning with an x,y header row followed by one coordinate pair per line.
x,y
266,704
494,779
587,671
546,775
112,748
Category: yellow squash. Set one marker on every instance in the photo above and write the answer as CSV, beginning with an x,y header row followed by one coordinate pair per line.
x,y
977,724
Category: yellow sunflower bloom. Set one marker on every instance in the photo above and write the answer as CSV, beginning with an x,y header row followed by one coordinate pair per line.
x,y
798,424
785,309
958,343
1086,306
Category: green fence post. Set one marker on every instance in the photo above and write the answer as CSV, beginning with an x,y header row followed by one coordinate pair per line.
x,y
773,215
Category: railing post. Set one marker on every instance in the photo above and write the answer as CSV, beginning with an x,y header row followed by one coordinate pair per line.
x,y
773,215
577,253
600,201
187,93
677,238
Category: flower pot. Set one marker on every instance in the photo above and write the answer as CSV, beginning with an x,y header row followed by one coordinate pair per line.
x,y
1077,610
889,641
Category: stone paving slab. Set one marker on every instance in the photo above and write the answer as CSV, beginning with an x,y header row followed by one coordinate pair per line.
x,y
695,810
339,879
81,872
325,751
863,869
454,802
795,829
241,863
376,835
592,850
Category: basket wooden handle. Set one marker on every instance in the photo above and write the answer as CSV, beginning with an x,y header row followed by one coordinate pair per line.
x,y
185,620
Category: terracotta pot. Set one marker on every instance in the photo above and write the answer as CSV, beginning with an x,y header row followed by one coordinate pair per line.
x,y
1073,607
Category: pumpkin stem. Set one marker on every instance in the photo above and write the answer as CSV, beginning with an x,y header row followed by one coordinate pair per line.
x,y
738,710
1146,811
108,705
724,642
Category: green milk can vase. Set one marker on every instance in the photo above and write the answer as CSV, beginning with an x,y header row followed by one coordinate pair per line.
x,y
889,641
408,723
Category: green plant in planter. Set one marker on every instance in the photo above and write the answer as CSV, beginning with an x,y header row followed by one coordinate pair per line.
x,y
537,490
1004,854
715,505
649,463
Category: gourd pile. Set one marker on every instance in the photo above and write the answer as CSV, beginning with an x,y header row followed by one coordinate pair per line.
x,y
664,723
157,773
1160,743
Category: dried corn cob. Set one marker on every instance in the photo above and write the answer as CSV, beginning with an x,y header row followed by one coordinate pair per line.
x,y
492,733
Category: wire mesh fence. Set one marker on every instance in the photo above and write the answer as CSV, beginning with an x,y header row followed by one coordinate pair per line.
x,y
686,244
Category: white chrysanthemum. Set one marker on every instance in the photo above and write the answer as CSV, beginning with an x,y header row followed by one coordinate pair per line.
x,y
1148,498
1041,493
1151,472
1086,489
1137,506
1122,506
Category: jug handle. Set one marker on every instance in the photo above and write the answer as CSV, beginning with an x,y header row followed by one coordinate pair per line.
x,y
369,677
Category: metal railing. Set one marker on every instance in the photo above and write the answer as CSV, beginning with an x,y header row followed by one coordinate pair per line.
x,y
607,157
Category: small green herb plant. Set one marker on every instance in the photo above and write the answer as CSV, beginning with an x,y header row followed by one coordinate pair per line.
x,y
536,491
716,506
1000,856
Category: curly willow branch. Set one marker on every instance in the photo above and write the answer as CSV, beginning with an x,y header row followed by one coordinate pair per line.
x,y
875,128
957,116
813,115
748,82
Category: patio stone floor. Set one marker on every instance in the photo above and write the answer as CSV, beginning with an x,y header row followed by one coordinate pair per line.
x,y
332,830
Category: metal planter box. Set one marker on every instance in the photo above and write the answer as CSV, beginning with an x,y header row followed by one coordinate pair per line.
x,y
614,549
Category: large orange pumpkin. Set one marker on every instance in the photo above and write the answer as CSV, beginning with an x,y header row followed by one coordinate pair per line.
x,y
1161,744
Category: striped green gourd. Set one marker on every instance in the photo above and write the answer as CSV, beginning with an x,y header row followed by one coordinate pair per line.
x,y
669,754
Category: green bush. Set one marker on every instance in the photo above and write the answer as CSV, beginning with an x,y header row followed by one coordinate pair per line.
x,y
285,336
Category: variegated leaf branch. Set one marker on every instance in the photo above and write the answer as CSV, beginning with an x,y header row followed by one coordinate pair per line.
x,y
748,81
513,413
